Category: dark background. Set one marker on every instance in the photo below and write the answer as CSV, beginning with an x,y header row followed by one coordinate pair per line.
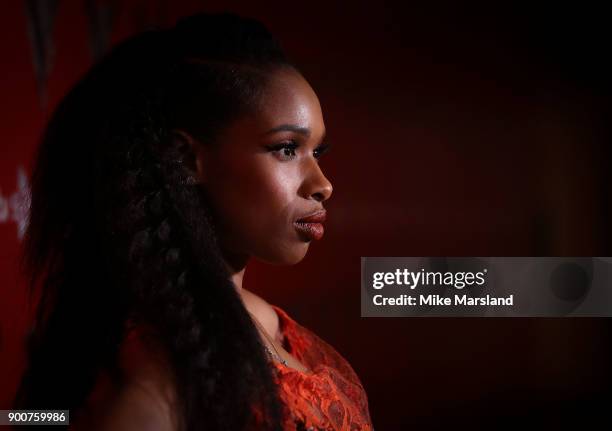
x,y
458,130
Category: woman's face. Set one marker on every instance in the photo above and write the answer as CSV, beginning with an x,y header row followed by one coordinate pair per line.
x,y
263,173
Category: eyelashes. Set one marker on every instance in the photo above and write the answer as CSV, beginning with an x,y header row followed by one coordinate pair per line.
x,y
322,149
288,149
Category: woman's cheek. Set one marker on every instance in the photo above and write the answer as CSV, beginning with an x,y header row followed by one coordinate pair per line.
x,y
285,179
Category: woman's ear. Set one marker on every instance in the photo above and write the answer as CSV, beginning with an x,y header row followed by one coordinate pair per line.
x,y
191,155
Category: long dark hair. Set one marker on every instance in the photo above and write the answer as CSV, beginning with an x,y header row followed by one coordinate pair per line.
x,y
118,230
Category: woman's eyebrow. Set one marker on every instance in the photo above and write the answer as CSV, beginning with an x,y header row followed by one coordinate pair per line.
x,y
289,128
292,128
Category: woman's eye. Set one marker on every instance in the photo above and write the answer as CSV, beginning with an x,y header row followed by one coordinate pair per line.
x,y
286,150
321,149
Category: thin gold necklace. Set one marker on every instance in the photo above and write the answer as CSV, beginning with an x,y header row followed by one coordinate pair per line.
x,y
275,354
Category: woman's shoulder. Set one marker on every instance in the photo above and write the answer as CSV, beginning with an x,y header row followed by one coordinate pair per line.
x,y
135,406
145,396
143,359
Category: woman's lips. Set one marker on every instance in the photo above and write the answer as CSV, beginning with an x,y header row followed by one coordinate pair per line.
x,y
310,230
311,227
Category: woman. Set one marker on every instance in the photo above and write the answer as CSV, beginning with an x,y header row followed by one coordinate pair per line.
x,y
180,156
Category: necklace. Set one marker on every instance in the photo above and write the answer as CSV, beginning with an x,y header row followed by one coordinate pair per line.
x,y
272,355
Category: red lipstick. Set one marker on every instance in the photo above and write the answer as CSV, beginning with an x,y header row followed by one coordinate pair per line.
x,y
311,226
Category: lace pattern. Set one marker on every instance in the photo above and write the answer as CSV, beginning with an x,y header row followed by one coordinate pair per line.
x,y
330,396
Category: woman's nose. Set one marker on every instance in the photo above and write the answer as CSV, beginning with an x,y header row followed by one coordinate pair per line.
x,y
315,184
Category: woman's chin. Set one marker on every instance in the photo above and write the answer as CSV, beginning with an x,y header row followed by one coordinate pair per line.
x,y
288,256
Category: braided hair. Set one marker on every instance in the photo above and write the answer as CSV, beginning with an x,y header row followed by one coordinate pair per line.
x,y
120,231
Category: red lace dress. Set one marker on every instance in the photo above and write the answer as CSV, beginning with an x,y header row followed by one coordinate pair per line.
x,y
329,396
